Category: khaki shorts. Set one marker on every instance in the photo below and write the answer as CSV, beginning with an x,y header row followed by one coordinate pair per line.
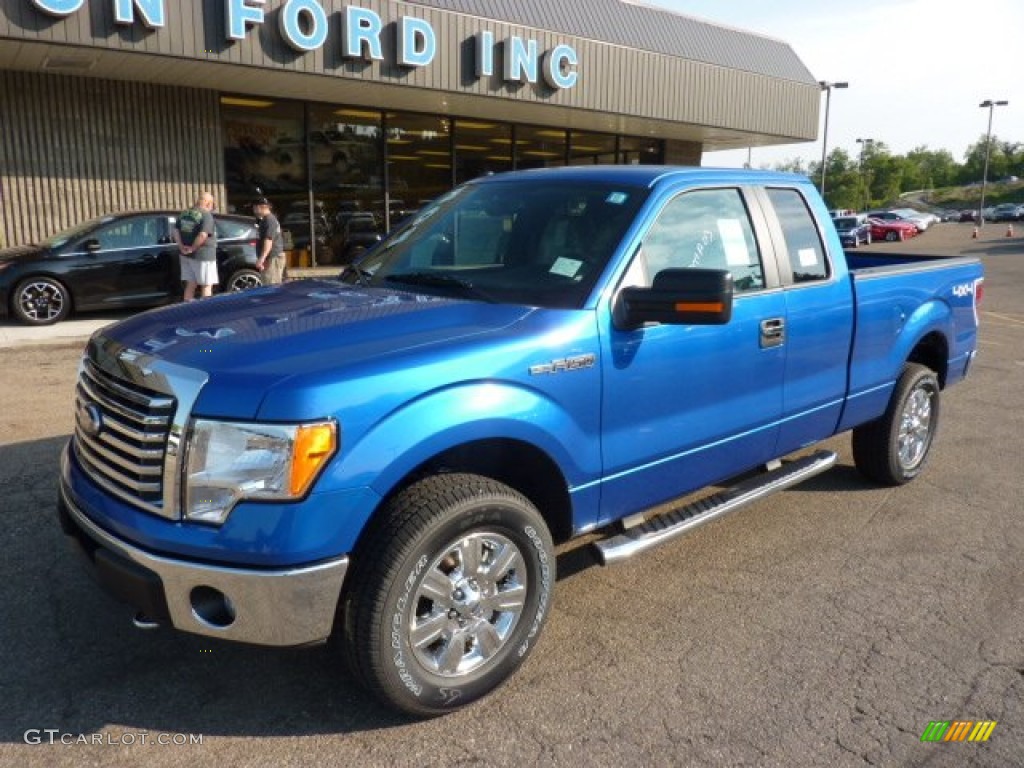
x,y
273,273
198,272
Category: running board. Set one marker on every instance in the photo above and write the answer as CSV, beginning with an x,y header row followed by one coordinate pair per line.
x,y
662,528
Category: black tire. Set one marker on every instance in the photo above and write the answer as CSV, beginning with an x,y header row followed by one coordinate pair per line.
x,y
40,301
243,279
892,235
893,449
425,624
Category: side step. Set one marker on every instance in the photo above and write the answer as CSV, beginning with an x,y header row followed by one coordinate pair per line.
x,y
662,528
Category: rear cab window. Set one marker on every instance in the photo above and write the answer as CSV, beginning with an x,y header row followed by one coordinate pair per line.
x,y
802,240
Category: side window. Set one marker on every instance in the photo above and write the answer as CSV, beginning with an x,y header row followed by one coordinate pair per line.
x,y
806,253
707,228
129,233
229,229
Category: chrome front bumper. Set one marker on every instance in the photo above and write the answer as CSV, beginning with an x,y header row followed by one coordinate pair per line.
x,y
292,606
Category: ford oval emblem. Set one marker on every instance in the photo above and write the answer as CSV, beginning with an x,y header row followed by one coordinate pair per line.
x,y
90,419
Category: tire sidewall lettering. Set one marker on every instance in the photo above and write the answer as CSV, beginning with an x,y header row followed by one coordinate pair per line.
x,y
453,692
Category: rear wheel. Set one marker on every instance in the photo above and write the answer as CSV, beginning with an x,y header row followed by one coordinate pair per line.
x,y
892,235
893,449
243,279
448,593
41,301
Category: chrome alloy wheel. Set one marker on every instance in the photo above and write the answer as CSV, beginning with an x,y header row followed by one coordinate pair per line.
x,y
915,428
467,603
244,280
41,301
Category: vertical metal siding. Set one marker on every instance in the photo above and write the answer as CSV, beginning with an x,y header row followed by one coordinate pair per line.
x,y
73,148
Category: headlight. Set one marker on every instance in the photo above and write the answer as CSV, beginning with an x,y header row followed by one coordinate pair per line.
x,y
228,462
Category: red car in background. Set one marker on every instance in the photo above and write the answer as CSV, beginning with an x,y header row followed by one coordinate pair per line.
x,y
891,229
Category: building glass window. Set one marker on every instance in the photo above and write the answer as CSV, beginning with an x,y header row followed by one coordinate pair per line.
x,y
538,147
348,180
591,148
322,166
481,148
265,156
634,150
419,163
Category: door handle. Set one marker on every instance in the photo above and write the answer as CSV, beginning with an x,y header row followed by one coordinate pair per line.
x,y
773,332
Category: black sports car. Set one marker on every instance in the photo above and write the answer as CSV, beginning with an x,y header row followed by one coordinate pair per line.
x,y
122,260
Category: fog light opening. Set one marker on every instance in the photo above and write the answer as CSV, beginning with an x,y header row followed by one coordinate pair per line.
x,y
212,607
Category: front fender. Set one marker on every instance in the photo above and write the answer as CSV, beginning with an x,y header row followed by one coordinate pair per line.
x,y
465,413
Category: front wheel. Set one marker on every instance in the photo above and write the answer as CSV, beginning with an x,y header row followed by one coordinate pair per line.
x,y
893,449
41,301
448,593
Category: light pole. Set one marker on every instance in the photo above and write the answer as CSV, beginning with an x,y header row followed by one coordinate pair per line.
x,y
991,105
827,88
864,144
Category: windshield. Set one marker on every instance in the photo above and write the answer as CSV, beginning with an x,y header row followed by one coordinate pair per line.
x,y
72,233
846,223
525,241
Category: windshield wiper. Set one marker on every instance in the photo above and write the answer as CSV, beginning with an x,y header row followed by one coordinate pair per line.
x,y
439,280
362,275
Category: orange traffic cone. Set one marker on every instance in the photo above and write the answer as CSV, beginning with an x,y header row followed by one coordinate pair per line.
x,y
1009,230
974,235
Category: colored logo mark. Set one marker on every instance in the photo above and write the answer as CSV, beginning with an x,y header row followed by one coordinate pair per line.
x,y
958,730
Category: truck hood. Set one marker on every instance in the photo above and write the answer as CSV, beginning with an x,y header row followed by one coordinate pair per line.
x,y
250,341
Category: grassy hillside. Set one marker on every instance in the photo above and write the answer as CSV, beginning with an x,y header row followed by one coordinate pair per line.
x,y
970,196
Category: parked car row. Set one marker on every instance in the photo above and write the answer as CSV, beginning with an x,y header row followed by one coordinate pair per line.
x,y
118,261
856,229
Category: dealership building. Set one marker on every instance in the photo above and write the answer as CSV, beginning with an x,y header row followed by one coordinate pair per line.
x,y
345,112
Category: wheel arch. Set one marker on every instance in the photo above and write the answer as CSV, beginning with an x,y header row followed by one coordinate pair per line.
x,y
932,351
516,463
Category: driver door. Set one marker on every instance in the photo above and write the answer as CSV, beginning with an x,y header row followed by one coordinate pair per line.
x,y
127,262
688,405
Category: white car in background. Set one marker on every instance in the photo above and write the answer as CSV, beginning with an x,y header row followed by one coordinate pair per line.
x,y
922,219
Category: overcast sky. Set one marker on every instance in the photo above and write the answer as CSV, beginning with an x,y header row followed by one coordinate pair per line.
x,y
917,68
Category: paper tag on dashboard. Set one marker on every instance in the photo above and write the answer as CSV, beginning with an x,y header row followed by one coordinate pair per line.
x,y
566,267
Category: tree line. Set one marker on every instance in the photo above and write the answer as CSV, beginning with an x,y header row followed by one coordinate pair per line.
x,y
875,176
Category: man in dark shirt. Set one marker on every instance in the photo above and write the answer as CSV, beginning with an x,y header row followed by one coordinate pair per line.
x,y
271,247
196,236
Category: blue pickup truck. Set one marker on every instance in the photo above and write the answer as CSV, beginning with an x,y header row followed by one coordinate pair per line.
x,y
386,460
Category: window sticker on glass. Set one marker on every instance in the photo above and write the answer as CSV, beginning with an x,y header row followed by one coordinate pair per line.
x,y
566,267
807,257
733,243
617,198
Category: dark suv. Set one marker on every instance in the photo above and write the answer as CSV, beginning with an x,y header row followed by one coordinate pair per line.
x,y
116,261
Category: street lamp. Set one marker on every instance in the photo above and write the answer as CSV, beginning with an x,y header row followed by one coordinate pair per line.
x,y
827,88
991,106
864,144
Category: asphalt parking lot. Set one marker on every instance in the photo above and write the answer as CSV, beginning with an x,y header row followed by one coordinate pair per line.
x,y
826,626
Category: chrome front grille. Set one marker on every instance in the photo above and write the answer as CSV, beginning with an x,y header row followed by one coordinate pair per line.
x,y
121,436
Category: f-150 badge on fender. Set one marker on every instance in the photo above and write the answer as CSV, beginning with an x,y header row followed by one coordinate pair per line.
x,y
574,363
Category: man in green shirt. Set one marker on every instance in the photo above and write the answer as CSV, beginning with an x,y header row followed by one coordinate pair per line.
x,y
196,236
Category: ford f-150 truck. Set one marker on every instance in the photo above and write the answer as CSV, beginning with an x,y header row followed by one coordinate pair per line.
x,y
388,459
